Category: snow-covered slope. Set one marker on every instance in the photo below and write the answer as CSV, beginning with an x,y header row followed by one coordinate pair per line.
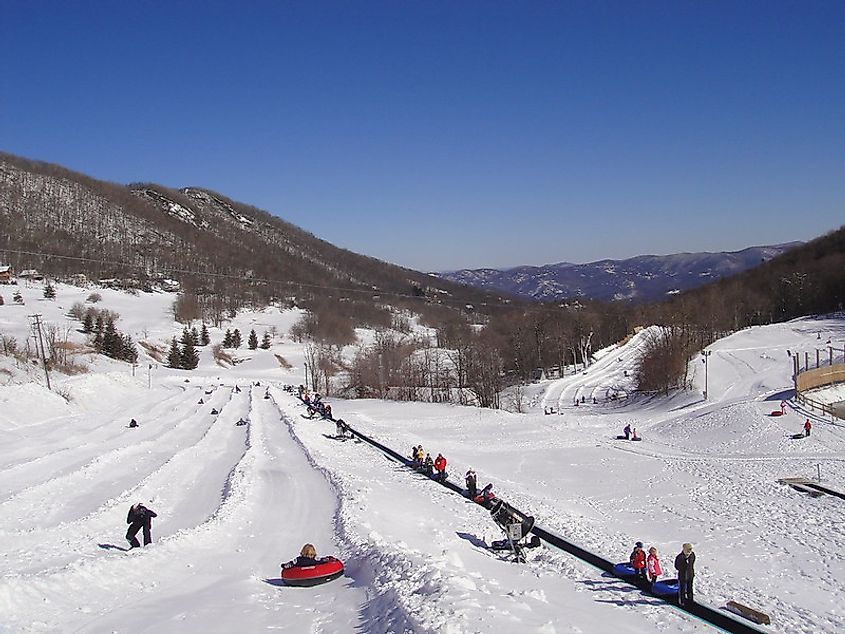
x,y
235,501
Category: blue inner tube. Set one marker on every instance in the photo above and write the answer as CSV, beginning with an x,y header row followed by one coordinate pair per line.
x,y
625,569
665,588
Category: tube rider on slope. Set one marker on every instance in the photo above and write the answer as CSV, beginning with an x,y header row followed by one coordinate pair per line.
x,y
307,557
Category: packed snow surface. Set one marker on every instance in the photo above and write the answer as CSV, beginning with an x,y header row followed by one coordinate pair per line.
x,y
234,501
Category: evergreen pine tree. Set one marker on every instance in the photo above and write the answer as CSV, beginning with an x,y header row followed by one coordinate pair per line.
x,y
49,291
227,339
236,339
127,349
88,323
190,356
98,326
195,335
205,338
253,340
111,342
98,340
174,357
265,341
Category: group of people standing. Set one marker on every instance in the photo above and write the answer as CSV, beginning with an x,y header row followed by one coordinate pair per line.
x,y
422,461
648,569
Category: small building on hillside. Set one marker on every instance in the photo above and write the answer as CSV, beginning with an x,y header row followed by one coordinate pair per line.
x,y
170,286
79,279
5,274
31,274
538,374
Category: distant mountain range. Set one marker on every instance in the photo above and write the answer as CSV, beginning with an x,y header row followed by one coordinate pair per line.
x,y
640,279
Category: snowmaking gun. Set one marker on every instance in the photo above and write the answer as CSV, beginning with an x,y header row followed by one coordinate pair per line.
x,y
516,526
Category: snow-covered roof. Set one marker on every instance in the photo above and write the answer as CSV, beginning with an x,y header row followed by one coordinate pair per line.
x,y
5,268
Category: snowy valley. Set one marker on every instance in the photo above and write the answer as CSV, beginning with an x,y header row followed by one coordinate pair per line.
x,y
234,501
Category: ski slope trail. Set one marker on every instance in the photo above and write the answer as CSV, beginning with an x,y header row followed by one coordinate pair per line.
x,y
267,501
65,443
602,379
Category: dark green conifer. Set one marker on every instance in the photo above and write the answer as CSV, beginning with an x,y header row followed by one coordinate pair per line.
x,y
174,357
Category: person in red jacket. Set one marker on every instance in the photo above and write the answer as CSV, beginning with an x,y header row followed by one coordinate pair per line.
x,y
638,561
807,427
653,565
440,467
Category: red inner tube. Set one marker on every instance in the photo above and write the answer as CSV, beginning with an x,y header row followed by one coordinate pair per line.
x,y
330,568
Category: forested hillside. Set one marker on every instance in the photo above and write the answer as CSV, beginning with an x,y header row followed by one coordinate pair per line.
x,y
227,255
207,241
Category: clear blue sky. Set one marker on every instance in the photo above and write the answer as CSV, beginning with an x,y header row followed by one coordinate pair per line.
x,y
443,135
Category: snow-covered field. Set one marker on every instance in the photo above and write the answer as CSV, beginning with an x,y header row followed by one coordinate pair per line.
x,y
235,501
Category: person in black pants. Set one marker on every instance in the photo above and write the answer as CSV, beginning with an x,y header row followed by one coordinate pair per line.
x,y
139,517
685,565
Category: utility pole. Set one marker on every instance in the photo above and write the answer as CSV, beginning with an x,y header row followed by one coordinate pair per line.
x,y
705,354
39,345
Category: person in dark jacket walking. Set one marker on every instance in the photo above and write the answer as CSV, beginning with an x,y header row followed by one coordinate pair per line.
x,y
685,565
139,517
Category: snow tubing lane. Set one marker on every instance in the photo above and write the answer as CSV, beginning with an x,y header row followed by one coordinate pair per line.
x,y
307,576
703,612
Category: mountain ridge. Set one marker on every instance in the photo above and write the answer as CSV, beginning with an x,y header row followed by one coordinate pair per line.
x,y
642,278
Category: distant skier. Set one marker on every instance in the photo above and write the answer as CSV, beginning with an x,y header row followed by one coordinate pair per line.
x,y
134,423
627,431
638,561
139,517
472,483
807,427
341,428
685,565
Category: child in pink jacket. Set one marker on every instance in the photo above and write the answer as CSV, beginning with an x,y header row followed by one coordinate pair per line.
x,y
652,563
